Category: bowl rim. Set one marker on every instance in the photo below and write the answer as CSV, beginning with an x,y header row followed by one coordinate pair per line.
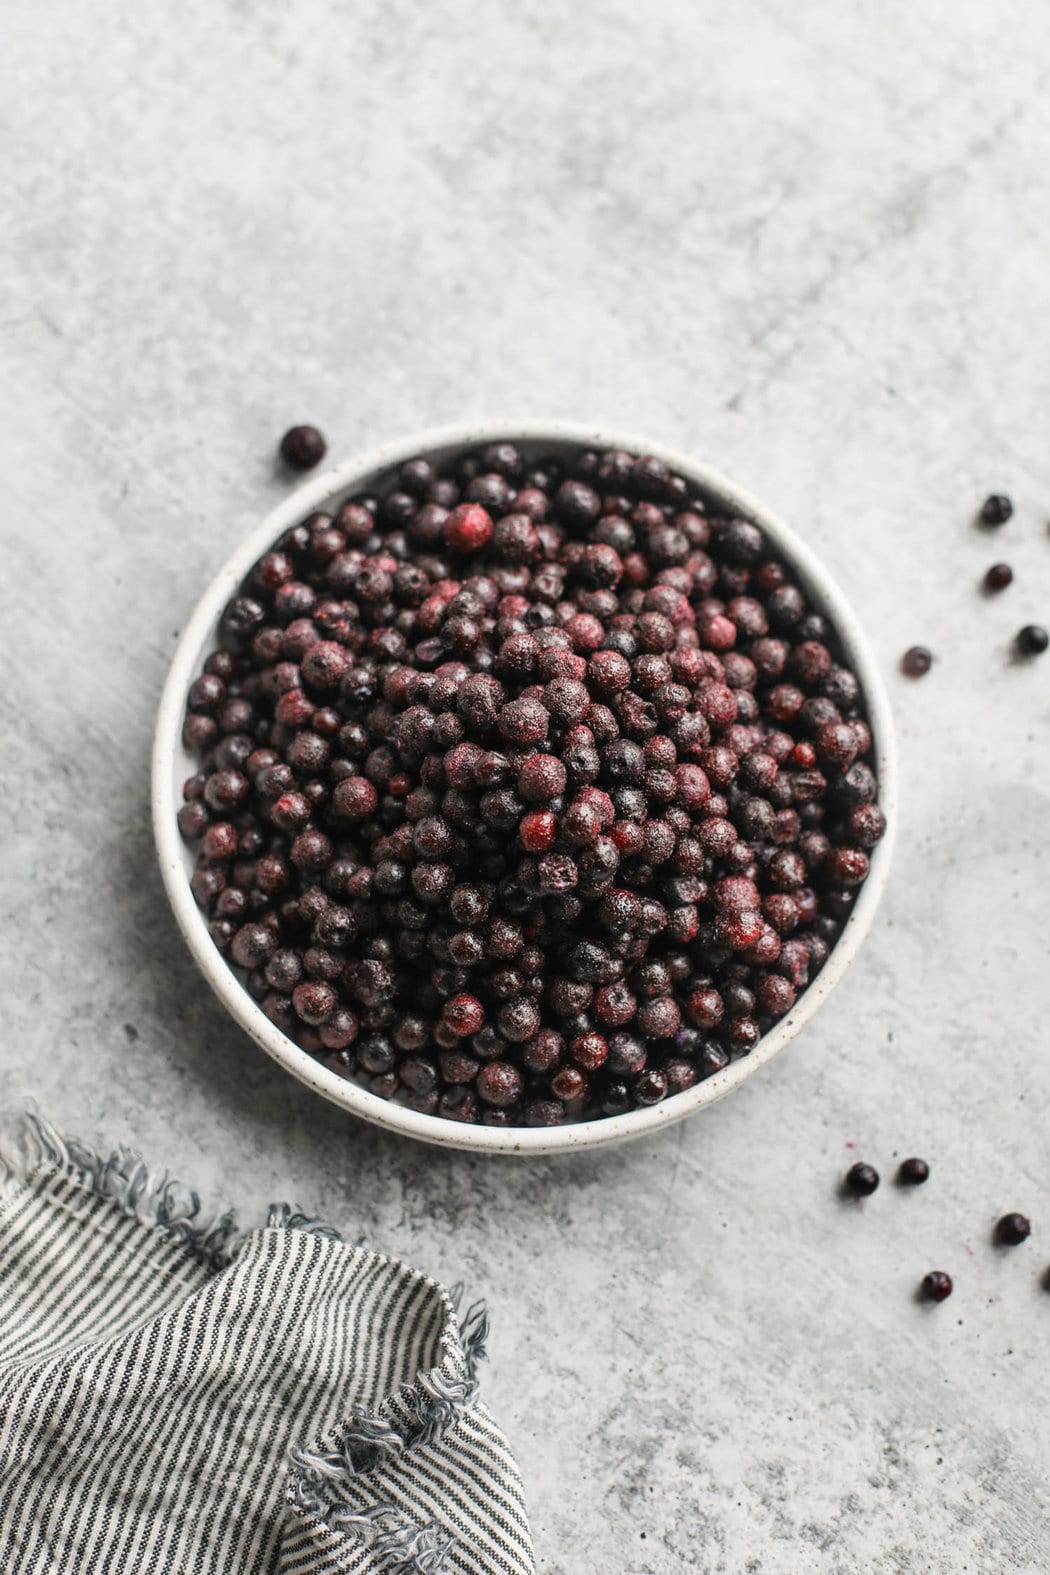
x,y
169,757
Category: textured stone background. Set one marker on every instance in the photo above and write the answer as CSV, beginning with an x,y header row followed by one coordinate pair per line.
x,y
807,243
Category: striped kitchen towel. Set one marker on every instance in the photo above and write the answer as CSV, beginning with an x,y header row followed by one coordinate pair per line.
x,y
178,1398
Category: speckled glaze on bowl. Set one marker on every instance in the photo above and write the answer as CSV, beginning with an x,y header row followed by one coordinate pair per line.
x,y
172,764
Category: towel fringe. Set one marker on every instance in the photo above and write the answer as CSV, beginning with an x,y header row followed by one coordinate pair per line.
x,y
400,1546
473,1332
362,1444
283,1217
367,1442
154,1198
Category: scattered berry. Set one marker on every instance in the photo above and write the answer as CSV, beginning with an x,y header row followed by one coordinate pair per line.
x,y
936,1286
303,447
913,1172
1032,640
916,661
862,1180
996,509
1012,1230
999,576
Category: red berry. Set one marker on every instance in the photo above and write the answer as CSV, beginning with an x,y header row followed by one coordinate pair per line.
x,y
220,841
538,830
290,811
498,1083
568,1083
738,928
736,892
837,743
464,1015
589,1051
468,528
541,778
718,633
847,866
314,1002
705,1008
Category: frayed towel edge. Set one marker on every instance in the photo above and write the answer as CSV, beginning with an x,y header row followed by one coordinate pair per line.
x,y
399,1544
153,1197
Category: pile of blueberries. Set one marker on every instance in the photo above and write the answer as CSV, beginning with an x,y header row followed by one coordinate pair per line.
x,y
529,790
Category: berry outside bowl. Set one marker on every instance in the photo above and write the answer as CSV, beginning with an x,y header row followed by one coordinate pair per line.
x,y
172,764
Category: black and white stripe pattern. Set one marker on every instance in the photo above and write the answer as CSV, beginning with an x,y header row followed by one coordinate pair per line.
x,y
178,1399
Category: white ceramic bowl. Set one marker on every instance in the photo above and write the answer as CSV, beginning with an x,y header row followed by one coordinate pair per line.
x,y
172,764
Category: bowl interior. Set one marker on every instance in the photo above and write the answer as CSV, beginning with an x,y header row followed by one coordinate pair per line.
x,y
172,764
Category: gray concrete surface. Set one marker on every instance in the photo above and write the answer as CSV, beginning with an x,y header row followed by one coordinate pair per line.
x,y
807,243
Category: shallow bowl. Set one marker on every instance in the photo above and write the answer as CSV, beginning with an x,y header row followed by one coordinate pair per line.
x,y
172,764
